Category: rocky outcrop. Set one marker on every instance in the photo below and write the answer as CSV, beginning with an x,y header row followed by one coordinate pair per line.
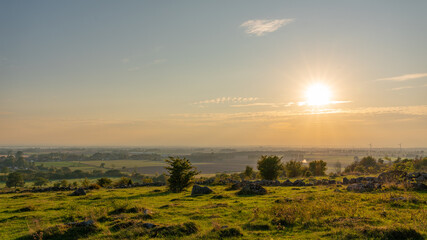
x,y
78,192
252,189
198,190
363,187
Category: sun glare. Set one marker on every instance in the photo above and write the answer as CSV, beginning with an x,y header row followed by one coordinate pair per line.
x,y
318,94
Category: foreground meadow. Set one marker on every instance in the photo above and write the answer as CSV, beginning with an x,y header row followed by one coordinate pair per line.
x,y
313,212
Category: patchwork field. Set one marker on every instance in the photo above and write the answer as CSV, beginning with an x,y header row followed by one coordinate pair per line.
x,y
236,164
319,212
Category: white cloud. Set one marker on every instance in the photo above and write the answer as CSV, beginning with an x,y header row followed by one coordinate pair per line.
x,y
404,77
227,100
260,27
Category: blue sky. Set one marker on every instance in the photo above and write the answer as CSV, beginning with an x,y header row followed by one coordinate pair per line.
x,y
212,73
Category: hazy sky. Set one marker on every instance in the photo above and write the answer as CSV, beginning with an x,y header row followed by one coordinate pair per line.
x,y
212,73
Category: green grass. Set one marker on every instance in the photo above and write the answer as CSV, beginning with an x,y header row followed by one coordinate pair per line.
x,y
284,213
72,165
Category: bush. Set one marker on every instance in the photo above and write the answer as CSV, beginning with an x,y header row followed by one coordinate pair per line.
x,y
270,167
15,179
181,173
249,173
39,181
104,182
124,181
294,168
317,167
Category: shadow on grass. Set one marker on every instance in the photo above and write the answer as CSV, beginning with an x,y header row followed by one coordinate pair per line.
x,y
62,232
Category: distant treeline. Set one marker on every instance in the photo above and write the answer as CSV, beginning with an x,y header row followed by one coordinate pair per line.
x,y
60,156
64,173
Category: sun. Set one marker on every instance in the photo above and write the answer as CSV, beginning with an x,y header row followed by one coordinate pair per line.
x,y
318,94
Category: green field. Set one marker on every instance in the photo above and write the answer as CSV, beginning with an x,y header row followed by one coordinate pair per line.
x,y
72,165
284,213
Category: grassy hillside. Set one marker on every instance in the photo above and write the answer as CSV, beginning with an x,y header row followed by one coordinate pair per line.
x,y
283,213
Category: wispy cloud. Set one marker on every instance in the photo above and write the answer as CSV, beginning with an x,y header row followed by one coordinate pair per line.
x,y
227,100
404,77
412,112
260,27
331,102
264,104
407,87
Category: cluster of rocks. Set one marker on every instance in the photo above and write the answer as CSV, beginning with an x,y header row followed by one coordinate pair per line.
x,y
78,192
363,187
347,181
252,189
154,184
198,190
417,177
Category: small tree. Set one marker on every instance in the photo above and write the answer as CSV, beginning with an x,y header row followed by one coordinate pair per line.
x,y
248,173
15,179
270,167
181,173
293,168
317,167
338,167
104,182
85,183
40,181
124,181
64,183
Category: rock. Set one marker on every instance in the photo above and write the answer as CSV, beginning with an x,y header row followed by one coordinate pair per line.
x,y
397,199
345,181
78,192
299,183
413,175
419,186
287,183
235,186
87,223
363,187
420,178
148,225
252,189
198,190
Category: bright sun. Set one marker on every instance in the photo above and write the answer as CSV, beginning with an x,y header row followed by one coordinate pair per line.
x,y
318,94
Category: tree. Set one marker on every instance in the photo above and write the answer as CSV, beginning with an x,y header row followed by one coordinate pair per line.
x,y
64,183
317,167
270,167
181,173
102,165
124,181
5,170
104,182
85,183
40,181
293,168
248,173
338,167
15,179
20,162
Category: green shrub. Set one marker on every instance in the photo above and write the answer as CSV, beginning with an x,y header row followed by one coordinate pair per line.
x,y
181,174
104,182
270,167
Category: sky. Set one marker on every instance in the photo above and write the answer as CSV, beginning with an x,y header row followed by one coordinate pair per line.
x,y
212,73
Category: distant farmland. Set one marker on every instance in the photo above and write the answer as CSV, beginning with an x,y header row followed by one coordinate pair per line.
x,y
229,165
